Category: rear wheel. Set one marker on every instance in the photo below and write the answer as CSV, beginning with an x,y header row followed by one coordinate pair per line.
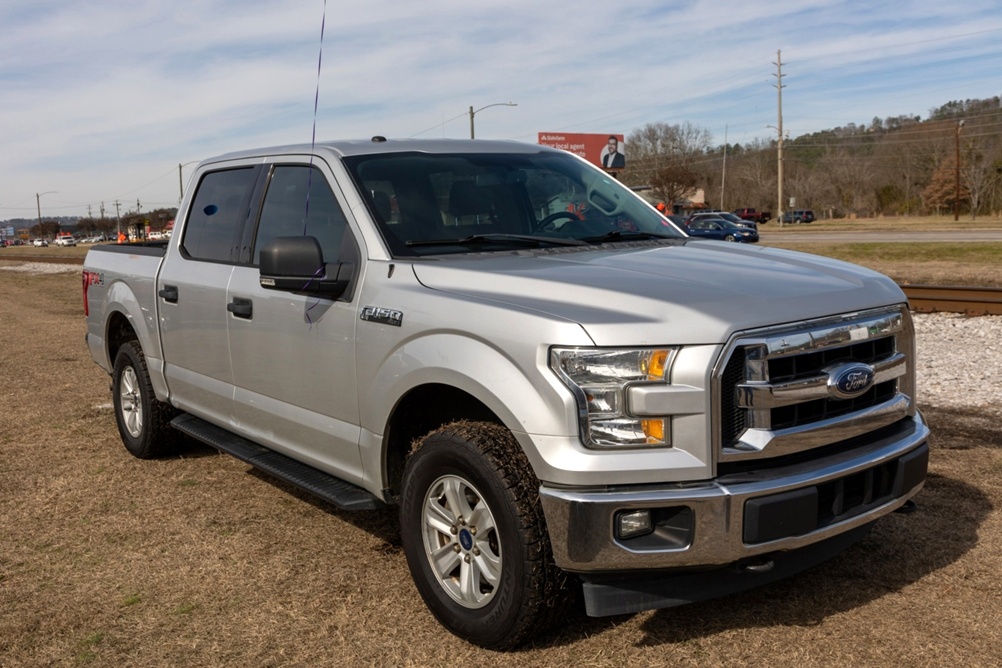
x,y
143,422
475,538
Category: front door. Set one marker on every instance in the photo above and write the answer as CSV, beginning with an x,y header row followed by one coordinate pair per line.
x,y
293,356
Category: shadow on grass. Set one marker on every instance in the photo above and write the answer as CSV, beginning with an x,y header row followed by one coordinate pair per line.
x,y
381,523
900,550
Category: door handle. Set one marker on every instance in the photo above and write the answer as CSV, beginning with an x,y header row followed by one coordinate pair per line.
x,y
169,294
241,308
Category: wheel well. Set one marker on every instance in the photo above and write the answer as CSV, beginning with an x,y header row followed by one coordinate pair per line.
x,y
423,410
119,332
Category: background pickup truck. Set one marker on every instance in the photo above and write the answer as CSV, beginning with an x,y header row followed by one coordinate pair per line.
x,y
752,214
567,397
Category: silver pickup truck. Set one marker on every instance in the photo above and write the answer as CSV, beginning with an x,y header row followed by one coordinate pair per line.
x,y
563,392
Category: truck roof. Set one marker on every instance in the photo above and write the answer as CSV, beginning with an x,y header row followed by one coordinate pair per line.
x,y
378,145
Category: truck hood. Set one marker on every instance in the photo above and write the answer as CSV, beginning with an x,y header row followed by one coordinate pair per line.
x,y
693,292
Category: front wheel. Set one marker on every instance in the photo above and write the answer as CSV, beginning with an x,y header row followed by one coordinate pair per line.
x,y
730,237
475,538
143,422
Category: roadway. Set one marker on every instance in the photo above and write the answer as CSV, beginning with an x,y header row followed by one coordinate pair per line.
x,y
903,236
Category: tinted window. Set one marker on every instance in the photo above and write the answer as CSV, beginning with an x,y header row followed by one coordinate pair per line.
x,y
217,215
419,198
300,203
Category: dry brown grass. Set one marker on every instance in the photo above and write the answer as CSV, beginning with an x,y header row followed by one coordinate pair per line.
x,y
106,560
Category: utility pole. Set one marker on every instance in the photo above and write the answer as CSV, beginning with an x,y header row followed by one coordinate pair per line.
x,y
723,172
118,216
956,174
779,129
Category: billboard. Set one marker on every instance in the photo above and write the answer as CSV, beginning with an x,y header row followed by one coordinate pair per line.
x,y
606,150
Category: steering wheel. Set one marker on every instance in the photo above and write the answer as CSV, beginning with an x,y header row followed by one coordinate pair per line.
x,y
548,224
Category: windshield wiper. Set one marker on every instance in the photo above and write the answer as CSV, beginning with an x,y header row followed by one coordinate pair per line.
x,y
516,239
620,235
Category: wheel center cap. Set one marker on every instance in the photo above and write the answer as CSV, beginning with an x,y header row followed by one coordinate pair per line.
x,y
466,539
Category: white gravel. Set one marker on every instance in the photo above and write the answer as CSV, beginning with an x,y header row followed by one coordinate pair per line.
x,y
959,360
42,268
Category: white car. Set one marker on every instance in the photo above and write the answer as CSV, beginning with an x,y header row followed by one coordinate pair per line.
x,y
40,242
66,241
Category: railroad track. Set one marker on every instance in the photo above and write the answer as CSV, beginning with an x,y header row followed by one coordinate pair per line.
x,y
45,259
922,298
972,301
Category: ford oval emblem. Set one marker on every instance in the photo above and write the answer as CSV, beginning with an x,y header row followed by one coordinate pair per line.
x,y
848,381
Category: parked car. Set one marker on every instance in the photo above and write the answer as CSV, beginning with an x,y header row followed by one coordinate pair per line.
x,y
799,216
749,213
66,241
40,243
720,229
677,219
723,215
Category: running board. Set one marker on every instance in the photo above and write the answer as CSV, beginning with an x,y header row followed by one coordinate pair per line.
x,y
342,494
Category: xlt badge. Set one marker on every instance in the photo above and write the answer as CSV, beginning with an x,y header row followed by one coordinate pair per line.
x,y
387,316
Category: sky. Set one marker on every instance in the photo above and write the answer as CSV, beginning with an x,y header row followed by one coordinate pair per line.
x,y
102,100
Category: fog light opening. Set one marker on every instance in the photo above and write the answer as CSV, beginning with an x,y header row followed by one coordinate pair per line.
x,y
634,523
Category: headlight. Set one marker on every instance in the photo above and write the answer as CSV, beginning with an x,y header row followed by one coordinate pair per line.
x,y
599,379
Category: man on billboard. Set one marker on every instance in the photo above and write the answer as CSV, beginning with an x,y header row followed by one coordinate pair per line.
x,y
612,158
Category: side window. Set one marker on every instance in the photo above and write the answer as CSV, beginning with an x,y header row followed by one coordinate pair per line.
x,y
217,215
300,203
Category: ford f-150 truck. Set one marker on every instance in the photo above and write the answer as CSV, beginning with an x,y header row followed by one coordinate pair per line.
x,y
562,391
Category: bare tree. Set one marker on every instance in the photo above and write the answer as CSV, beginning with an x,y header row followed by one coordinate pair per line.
x,y
979,171
850,182
674,182
659,145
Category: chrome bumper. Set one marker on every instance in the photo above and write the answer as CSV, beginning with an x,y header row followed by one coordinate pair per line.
x,y
741,515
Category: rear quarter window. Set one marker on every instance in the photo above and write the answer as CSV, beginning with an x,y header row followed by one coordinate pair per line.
x,y
217,215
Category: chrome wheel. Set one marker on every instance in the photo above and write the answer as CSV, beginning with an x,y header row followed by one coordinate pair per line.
x,y
461,541
131,402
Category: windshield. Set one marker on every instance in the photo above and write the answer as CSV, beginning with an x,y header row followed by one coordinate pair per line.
x,y
430,204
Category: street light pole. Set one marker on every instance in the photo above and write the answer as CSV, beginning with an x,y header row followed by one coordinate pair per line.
x,y
38,206
496,104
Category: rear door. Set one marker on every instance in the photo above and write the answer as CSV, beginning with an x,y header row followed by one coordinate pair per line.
x,y
192,289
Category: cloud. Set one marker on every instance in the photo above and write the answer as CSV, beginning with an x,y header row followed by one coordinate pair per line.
x,y
102,100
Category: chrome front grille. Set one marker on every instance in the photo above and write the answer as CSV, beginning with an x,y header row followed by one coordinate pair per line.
x,y
779,392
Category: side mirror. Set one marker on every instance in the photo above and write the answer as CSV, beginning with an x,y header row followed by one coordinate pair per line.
x,y
296,264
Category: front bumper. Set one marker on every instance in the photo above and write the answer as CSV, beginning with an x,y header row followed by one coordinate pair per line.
x,y
739,516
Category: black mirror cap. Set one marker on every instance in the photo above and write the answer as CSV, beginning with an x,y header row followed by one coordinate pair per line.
x,y
292,257
296,264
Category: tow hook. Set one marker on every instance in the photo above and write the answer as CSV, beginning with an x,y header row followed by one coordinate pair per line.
x,y
758,566
907,509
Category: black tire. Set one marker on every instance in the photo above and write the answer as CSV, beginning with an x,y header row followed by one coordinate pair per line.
x,y
143,422
730,237
514,589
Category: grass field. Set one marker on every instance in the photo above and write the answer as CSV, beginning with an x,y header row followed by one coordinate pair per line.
x,y
198,560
